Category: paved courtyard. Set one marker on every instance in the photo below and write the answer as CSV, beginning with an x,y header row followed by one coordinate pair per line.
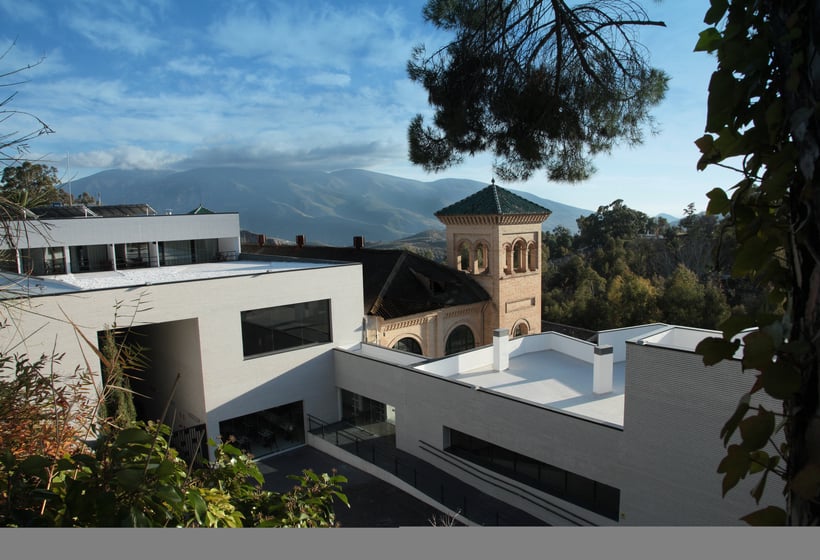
x,y
373,502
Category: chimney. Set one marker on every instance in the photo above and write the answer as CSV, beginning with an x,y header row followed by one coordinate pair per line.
x,y
358,242
300,241
602,364
501,351
261,239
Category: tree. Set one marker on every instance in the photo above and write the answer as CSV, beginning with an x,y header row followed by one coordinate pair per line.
x,y
537,82
683,298
763,122
632,300
62,465
614,221
31,184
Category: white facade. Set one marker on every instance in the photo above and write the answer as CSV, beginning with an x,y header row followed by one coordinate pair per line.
x,y
654,437
631,424
93,243
190,319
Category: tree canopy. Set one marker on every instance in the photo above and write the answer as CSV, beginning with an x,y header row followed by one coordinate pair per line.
x,y
539,83
762,121
32,184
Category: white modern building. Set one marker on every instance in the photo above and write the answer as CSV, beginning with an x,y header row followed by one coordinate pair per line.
x,y
623,431
249,339
620,431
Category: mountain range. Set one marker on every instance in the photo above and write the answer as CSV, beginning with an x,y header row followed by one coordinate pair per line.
x,y
329,208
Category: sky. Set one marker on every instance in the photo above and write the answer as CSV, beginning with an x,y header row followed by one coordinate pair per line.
x,y
180,84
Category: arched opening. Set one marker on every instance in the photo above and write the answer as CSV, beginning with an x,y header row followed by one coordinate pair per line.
x,y
481,256
532,257
408,344
519,254
508,259
520,329
460,339
464,256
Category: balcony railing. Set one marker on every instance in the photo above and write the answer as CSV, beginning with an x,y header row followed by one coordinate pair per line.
x,y
443,488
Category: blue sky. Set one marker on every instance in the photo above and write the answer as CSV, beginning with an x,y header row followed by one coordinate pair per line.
x,y
181,84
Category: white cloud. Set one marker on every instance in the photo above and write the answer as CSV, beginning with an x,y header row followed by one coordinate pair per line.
x,y
110,34
329,79
22,10
125,157
289,36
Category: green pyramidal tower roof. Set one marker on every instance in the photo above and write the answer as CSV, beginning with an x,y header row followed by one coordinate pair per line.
x,y
200,210
494,201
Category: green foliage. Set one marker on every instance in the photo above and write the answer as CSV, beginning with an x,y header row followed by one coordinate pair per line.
x,y
540,84
31,184
686,300
134,478
615,221
129,475
623,269
762,121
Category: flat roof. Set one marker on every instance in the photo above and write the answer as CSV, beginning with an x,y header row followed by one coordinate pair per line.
x,y
553,380
61,283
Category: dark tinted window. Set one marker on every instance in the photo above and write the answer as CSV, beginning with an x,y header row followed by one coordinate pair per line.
x,y
288,326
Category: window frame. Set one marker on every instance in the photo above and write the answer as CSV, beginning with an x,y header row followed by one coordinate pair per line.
x,y
301,322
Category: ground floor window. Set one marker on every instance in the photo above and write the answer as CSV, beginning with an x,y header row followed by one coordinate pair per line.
x,y
371,415
579,490
359,410
266,431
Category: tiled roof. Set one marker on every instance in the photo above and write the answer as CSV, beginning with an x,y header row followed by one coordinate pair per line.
x,y
492,200
396,283
200,210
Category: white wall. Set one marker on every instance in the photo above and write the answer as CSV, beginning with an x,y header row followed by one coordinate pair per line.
x,y
425,403
230,385
129,229
674,410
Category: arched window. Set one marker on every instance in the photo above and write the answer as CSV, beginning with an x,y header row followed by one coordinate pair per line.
x,y
464,256
521,329
532,257
481,258
508,257
460,339
408,344
519,254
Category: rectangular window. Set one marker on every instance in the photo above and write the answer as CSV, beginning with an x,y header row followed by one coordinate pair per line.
x,y
579,490
274,329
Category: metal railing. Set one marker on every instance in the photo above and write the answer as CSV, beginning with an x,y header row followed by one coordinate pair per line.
x,y
431,481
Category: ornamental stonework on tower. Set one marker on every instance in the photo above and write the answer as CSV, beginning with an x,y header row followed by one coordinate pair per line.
x,y
494,235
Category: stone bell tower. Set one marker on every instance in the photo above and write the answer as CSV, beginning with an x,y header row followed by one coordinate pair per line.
x,y
495,236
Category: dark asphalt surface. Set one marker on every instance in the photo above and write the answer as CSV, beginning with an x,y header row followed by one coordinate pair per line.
x,y
373,502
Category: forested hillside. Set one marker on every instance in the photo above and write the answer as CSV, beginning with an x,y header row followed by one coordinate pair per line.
x,y
624,268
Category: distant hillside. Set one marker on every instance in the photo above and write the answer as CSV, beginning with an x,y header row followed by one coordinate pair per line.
x,y
328,208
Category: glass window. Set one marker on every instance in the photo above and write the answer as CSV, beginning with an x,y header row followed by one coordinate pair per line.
x,y
460,339
285,327
579,490
408,344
